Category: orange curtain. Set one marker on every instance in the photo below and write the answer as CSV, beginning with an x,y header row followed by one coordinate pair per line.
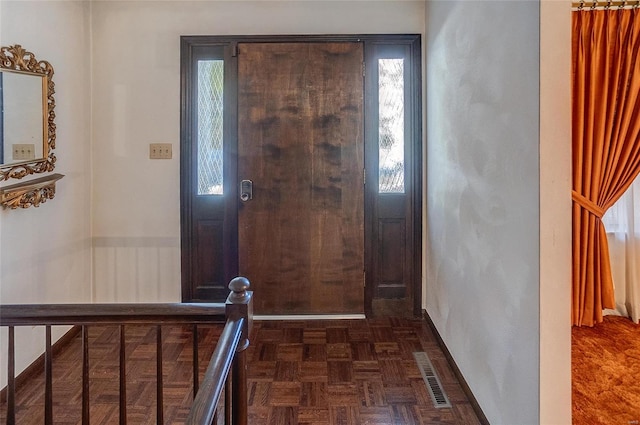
x,y
606,144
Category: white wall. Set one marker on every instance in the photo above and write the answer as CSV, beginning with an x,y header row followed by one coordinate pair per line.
x,y
483,208
46,251
136,89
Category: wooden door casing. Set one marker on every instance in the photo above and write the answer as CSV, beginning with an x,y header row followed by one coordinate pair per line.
x,y
300,140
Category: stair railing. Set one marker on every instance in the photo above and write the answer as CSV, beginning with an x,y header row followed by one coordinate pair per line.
x,y
228,356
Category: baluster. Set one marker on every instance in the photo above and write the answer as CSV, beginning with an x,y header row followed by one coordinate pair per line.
x,y
48,378
228,390
159,402
85,375
239,385
123,378
11,378
196,366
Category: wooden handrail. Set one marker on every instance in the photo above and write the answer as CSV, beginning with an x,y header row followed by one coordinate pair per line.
x,y
93,314
206,401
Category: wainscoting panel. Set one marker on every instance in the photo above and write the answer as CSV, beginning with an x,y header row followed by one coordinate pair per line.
x,y
136,269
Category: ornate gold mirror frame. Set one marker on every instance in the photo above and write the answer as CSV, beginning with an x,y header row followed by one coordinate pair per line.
x,y
16,59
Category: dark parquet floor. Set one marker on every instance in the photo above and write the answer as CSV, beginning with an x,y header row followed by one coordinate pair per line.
x,y
300,372
348,372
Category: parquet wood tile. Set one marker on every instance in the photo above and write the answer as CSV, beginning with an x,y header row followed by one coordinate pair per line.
x,y
289,352
283,415
367,370
314,394
262,370
375,415
339,371
314,336
358,372
259,394
287,371
314,352
363,350
313,416
337,335
258,415
399,394
344,415
344,394
372,393
285,394
314,372
339,351
405,414
268,352
292,335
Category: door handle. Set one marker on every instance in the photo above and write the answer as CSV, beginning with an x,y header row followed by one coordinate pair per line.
x,y
246,190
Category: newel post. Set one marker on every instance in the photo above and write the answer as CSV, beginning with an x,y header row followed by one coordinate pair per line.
x,y
240,305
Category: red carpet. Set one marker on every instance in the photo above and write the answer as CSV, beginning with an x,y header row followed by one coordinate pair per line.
x,y
606,373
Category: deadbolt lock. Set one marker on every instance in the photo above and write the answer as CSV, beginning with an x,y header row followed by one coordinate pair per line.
x,y
246,190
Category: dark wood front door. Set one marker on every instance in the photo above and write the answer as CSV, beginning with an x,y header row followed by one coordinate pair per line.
x,y
301,118
300,143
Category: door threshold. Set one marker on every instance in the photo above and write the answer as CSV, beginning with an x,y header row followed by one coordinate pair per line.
x,y
308,316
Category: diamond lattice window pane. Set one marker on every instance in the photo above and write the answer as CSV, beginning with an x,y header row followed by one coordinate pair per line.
x,y
391,125
210,135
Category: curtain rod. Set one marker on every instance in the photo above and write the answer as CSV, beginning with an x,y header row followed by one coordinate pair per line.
x,y
593,4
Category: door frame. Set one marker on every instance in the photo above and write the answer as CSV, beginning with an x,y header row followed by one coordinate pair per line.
x,y
191,45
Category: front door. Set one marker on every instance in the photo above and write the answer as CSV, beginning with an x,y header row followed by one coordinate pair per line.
x,y
301,169
300,144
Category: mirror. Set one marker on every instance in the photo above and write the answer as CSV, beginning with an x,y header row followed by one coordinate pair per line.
x,y
27,128
22,121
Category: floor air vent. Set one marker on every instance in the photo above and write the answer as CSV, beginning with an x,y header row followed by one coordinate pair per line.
x,y
430,377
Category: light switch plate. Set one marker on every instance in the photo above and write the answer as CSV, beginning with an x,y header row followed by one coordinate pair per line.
x,y
23,152
160,151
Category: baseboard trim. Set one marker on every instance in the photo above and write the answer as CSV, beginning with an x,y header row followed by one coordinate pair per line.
x,y
259,317
38,364
456,371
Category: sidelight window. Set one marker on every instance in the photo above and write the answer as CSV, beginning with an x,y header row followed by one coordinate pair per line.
x,y
391,125
210,127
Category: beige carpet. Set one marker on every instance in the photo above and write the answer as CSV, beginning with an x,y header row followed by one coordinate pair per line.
x,y
606,373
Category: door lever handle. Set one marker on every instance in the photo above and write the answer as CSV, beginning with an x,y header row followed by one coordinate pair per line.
x,y
246,190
